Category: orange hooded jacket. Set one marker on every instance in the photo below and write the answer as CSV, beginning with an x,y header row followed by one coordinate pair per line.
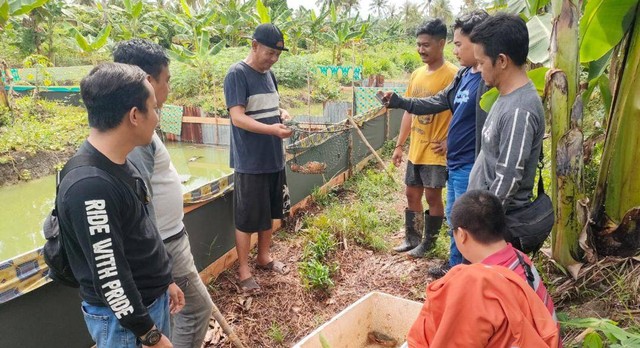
x,y
483,306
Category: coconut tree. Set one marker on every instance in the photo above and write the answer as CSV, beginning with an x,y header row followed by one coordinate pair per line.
x,y
440,9
468,6
379,7
341,31
411,15
349,5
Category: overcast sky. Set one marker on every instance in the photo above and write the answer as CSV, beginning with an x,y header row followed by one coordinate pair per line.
x,y
364,5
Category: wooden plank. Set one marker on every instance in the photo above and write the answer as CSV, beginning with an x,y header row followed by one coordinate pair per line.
x,y
205,120
225,262
191,207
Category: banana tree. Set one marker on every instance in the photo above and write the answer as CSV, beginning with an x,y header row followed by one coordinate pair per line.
x,y
341,32
132,21
190,25
200,59
235,21
297,33
616,206
90,43
316,24
11,9
565,109
614,212
14,8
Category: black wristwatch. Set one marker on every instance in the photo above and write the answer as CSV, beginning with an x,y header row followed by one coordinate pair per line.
x,y
151,338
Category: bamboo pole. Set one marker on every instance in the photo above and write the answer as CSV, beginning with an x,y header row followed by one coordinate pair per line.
x,y
217,315
308,93
4,97
368,145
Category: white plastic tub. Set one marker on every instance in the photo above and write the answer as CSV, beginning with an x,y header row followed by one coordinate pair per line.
x,y
376,311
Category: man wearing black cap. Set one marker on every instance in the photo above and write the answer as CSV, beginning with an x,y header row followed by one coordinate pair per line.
x,y
257,156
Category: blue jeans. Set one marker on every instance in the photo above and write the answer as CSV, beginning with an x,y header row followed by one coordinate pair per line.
x,y
456,186
107,332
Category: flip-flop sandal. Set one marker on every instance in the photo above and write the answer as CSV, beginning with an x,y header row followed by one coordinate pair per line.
x,y
249,286
275,266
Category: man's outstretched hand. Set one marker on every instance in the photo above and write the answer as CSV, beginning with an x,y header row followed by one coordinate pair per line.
x,y
392,100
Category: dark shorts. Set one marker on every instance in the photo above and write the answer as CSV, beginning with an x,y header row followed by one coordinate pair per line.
x,y
259,198
426,175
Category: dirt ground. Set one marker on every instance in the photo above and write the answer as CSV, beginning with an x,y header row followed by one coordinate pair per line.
x,y
35,166
284,312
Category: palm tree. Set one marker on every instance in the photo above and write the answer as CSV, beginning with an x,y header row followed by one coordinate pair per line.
x,y
440,9
325,4
409,10
392,10
349,5
426,7
379,7
468,6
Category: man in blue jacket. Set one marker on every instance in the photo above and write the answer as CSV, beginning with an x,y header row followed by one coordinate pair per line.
x,y
462,96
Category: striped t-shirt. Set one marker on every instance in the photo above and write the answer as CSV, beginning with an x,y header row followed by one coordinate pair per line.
x,y
253,153
511,144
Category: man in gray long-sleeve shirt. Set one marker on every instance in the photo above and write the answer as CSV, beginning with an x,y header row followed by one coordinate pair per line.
x,y
512,135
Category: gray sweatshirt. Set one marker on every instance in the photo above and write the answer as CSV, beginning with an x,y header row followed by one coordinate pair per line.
x,y
511,144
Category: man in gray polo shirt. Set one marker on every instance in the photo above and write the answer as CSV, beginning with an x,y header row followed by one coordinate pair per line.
x,y
257,156
514,128
190,325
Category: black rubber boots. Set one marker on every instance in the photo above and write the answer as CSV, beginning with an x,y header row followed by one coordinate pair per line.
x,y
413,224
431,231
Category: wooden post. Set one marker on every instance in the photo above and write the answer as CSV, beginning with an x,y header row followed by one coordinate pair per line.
x,y
4,97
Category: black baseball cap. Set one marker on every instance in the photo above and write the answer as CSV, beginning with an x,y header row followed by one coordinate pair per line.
x,y
270,36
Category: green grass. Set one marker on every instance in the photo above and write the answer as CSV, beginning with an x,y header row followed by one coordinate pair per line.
x,y
39,125
364,220
277,333
61,75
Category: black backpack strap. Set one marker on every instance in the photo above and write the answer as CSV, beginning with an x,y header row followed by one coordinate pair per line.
x,y
540,166
100,162
527,270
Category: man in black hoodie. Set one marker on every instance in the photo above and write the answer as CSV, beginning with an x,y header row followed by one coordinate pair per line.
x,y
113,247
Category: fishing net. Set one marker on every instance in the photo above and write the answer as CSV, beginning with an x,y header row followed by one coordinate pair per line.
x,y
318,148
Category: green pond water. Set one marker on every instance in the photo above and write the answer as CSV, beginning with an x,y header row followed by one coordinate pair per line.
x,y
24,206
